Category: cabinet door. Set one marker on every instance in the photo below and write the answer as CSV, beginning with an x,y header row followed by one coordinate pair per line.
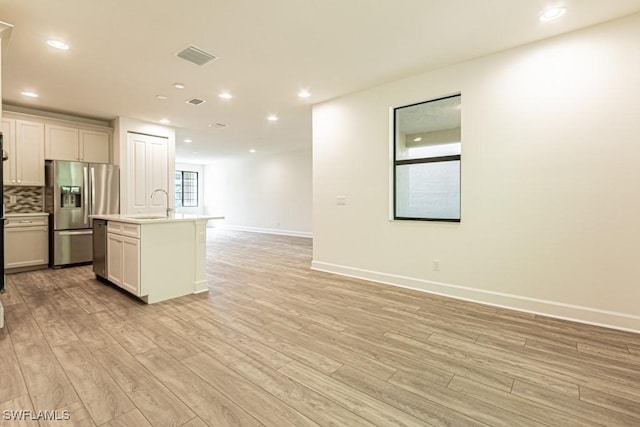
x,y
29,153
9,144
137,168
62,143
26,246
115,256
157,171
94,146
131,265
147,170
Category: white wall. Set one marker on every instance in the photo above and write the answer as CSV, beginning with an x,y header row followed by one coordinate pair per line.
x,y
262,193
199,210
550,181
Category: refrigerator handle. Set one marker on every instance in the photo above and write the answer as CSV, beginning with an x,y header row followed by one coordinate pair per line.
x,y
86,195
75,232
93,191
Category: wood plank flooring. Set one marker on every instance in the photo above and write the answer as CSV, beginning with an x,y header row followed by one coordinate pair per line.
x,y
276,344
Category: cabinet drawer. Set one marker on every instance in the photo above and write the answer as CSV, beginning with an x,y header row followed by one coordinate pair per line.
x,y
114,227
131,230
35,221
124,229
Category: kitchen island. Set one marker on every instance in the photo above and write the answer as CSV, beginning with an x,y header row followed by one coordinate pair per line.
x,y
156,257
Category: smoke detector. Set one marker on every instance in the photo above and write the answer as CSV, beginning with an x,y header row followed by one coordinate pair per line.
x,y
196,56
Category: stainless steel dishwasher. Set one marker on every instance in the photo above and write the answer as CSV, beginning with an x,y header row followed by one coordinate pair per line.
x,y
100,248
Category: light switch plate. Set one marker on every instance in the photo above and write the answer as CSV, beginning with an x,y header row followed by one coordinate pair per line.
x,y
13,199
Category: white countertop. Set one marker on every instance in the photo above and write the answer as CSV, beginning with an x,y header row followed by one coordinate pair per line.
x,y
18,215
154,218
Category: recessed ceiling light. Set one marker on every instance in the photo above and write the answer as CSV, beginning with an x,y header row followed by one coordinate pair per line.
x,y
188,141
418,139
272,118
304,93
552,13
225,95
178,85
252,151
29,94
58,44
165,121
162,97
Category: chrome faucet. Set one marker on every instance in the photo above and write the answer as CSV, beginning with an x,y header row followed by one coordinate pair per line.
x,y
166,194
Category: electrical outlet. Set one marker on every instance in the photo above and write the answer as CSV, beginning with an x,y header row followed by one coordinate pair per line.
x,y
341,200
436,264
13,199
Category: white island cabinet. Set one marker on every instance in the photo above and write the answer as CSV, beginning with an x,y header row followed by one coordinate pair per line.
x,y
157,258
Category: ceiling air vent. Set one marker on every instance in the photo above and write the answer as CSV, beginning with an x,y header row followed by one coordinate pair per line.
x,y
195,101
196,56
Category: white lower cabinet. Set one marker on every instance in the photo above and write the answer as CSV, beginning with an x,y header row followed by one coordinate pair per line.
x,y
123,262
131,265
156,259
115,261
26,240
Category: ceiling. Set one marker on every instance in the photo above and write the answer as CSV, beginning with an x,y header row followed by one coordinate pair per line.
x,y
123,54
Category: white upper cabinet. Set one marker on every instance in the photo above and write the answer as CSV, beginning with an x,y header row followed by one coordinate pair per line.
x,y
29,149
76,144
61,143
9,141
94,146
24,142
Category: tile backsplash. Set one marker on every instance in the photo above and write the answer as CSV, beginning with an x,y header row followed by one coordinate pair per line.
x,y
27,199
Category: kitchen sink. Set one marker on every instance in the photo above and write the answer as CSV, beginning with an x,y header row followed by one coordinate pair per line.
x,y
146,217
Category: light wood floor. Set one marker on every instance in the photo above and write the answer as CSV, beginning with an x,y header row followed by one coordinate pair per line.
x,y
277,344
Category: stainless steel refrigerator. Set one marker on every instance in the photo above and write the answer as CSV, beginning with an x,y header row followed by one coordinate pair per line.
x,y
73,192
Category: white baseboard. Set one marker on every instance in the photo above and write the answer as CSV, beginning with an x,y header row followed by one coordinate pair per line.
x,y
268,231
200,286
588,315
